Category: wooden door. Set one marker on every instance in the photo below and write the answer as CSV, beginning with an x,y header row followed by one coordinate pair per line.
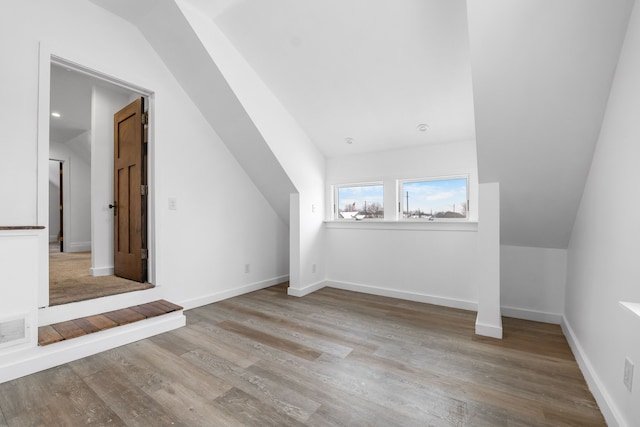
x,y
130,192
61,208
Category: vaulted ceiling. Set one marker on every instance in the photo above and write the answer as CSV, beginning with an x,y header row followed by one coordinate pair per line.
x,y
528,79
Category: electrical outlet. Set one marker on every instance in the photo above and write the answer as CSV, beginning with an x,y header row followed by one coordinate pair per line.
x,y
247,268
313,268
628,373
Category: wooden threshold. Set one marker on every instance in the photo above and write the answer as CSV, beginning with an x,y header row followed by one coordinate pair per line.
x,y
87,325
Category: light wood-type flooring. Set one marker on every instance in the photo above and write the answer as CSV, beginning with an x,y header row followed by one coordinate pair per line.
x,y
332,358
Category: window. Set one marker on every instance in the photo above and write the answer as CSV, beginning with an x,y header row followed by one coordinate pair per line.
x,y
359,201
434,199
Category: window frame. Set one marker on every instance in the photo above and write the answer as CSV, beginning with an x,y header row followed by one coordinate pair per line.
x,y
401,204
336,207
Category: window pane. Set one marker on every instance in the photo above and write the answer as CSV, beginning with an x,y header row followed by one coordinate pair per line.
x,y
445,198
360,202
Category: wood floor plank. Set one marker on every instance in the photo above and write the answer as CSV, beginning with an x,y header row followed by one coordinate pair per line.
x,y
251,412
124,316
147,310
271,340
231,353
54,397
69,329
332,358
86,326
47,335
172,368
101,322
272,393
133,406
169,306
287,330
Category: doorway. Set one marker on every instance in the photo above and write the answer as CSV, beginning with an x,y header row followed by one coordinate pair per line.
x,y
56,205
82,105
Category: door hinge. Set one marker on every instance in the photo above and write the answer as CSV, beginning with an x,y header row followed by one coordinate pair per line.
x,y
145,118
144,253
144,189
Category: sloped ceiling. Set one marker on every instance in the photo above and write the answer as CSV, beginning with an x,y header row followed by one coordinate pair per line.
x,y
361,69
542,72
169,33
528,79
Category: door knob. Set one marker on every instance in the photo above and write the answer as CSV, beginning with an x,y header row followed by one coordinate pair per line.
x,y
114,206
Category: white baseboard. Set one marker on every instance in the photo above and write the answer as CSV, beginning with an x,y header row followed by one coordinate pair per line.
x,y
306,290
411,296
102,271
488,330
536,316
607,406
219,296
75,310
77,247
40,358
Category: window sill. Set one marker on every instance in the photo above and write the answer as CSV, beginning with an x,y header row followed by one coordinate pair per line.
x,y
404,225
633,307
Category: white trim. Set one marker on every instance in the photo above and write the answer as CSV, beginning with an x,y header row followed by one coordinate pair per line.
x,y
610,411
87,71
410,296
41,358
488,330
102,271
404,225
64,56
75,310
400,200
335,187
306,290
219,296
78,247
536,316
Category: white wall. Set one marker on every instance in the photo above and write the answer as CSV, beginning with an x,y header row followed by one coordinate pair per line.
x,y
105,102
77,206
221,223
532,282
425,262
295,152
603,266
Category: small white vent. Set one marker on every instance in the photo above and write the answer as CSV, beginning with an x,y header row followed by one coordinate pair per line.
x,y
13,331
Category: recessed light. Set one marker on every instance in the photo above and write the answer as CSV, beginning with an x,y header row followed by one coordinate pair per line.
x,y
56,114
348,140
423,127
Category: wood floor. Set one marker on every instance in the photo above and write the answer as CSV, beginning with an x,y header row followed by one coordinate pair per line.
x,y
51,334
332,358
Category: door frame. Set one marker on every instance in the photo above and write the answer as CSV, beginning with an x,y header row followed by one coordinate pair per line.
x,y
64,201
82,62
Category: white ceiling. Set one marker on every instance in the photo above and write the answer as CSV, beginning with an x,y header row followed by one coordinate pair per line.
x,y
71,97
372,70
367,70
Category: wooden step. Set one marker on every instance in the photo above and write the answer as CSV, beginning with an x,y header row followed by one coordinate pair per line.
x,y
87,325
